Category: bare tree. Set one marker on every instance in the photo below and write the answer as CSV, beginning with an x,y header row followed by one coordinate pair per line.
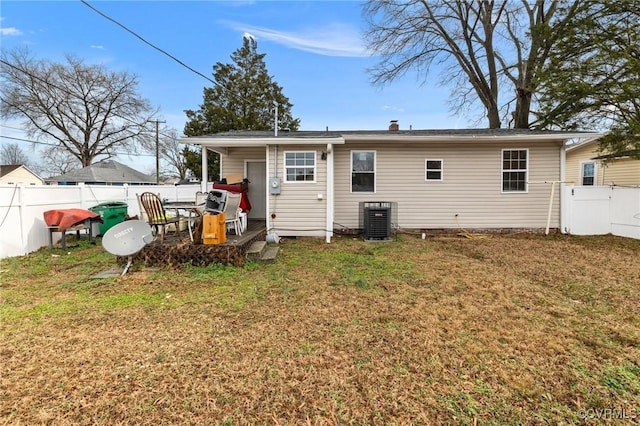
x,y
12,154
169,151
482,46
58,161
86,109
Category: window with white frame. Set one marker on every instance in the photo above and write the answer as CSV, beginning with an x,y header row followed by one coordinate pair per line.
x,y
515,168
363,171
300,166
432,169
588,173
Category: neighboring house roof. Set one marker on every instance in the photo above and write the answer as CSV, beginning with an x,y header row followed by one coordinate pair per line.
x,y
108,171
6,169
442,135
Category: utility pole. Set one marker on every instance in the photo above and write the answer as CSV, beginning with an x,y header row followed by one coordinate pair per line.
x,y
158,149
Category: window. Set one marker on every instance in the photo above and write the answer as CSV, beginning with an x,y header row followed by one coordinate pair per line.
x,y
514,170
363,171
432,169
588,173
300,166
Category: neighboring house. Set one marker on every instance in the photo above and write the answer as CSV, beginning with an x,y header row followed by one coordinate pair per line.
x,y
18,174
586,167
315,183
107,172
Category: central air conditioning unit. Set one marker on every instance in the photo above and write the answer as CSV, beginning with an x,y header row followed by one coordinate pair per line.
x,y
376,219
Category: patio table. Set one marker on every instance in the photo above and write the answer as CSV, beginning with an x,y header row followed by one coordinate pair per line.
x,y
194,210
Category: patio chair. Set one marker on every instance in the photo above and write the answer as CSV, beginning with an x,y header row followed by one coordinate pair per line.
x,y
201,200
232,212
156,215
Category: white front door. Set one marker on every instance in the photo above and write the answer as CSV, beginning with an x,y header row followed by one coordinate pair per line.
x,y
257,175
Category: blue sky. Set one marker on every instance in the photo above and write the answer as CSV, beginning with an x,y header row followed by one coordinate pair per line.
x,y
314,50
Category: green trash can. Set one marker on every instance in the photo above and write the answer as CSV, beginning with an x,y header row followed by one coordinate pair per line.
x,y
111,213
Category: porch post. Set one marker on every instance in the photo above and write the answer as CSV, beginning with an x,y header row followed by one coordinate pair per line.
x,y
266,206
205,170
329,214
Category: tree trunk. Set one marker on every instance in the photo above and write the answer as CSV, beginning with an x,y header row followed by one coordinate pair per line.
x,y
523,106
494,116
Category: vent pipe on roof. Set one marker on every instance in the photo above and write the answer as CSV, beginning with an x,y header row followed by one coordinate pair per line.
x,y
393,127
275,124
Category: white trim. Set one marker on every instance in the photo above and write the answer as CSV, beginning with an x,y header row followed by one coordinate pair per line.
x,y
563,186
375,171
284,166
441,170
502,171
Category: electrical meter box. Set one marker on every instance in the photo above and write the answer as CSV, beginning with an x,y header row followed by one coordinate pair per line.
x,y
274,186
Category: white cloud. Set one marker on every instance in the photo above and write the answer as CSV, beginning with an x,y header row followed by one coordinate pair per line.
x,y
10,31
331,40
97,46
393,108
248,36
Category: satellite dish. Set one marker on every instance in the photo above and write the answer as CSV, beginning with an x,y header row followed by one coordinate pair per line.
x,y
127,238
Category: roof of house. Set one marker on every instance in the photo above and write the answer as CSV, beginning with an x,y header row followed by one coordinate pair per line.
x,y
5,169
450,135
104,171
8,168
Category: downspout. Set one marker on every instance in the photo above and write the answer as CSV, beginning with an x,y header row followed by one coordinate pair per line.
x,y
205,170
563,190
330,201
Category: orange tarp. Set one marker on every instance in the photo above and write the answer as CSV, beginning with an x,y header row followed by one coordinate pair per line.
x,y
64,219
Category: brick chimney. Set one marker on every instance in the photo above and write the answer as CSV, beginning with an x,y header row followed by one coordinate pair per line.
x,y
393,127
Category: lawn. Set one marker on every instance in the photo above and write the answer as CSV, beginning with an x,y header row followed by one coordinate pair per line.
x,y
502,329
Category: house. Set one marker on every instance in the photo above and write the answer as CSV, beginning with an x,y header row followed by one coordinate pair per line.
x,y
317,183
107,172
18,174
586,167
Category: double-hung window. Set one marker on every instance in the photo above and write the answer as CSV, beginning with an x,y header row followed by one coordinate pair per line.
x,y
432,170
300,166
588,173
515,170
363,171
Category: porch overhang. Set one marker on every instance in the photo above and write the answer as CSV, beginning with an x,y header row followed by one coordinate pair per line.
x,y
217,144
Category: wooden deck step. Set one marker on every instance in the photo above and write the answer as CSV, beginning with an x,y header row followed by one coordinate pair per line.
x,y
259,250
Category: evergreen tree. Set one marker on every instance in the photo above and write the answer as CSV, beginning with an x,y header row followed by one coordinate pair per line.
x,y
592,78
243,98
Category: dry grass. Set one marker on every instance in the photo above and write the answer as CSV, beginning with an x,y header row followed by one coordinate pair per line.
x,y
497,330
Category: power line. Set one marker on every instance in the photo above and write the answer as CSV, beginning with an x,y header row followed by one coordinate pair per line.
x,y
151,44
55,145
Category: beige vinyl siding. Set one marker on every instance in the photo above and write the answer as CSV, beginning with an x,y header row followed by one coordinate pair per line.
x,y
576,157
298,212
471,185
234,160
622,171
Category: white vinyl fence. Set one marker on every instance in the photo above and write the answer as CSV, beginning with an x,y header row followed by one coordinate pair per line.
x,y
600,210
593,210
22,226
